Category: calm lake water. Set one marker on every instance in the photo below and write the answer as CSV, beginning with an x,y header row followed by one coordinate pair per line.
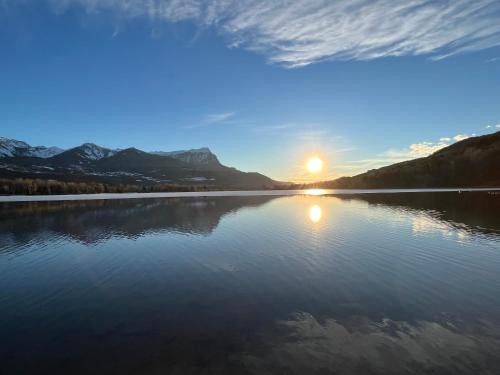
x,y
362,284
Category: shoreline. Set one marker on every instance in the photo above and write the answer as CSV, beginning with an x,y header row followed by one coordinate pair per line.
x,y
237,193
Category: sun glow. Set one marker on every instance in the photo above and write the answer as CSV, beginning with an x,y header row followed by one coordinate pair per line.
x,y
315,192
315,213
314,165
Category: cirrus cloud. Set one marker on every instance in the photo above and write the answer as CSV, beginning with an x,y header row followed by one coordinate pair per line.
x,y
212,119
301,32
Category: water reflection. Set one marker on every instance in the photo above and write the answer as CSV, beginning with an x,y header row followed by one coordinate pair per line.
x,y
315,213
252,285
444,212
361,346
94,221
449,214
315,191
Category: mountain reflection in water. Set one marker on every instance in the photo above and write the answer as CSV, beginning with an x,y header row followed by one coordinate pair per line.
x,y
362,284
99,220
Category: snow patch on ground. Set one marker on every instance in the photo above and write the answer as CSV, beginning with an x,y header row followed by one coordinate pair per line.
x,y
198,179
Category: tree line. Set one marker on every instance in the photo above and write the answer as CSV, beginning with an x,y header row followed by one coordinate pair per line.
x,y
31,186
28,186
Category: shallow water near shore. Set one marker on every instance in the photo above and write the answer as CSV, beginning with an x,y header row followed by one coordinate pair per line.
x,y
360,283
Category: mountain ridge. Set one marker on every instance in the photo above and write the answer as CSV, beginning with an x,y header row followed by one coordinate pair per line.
x,y
93,163
472,162
13,148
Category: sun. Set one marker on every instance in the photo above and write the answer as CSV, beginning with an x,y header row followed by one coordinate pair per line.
x,y
314,165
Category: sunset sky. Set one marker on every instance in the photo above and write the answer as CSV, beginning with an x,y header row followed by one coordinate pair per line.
x,y
264,84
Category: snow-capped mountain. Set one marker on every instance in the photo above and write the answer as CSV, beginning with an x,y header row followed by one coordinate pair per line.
x,y
91,152
83,154
93,163
201,157
14,148
95,152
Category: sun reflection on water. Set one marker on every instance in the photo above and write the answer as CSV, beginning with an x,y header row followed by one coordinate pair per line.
x,y
315,213
315,191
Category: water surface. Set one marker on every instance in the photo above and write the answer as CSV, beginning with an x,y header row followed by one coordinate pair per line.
x,y
350,284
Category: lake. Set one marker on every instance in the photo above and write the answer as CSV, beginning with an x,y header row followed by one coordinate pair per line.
x,y
405,283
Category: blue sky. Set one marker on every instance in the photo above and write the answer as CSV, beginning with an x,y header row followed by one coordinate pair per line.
x,y
264,84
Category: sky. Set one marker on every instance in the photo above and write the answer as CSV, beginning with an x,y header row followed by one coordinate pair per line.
x,y
265,84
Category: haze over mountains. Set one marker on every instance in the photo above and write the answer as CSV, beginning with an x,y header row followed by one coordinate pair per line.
x,y
90,162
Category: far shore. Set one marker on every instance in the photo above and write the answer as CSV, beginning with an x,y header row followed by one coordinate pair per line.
x,y
105,196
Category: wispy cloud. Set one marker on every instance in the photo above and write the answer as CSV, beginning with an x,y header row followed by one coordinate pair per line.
x,y
273,129
461,137
422,149
301,32
391,156
213,118
493,126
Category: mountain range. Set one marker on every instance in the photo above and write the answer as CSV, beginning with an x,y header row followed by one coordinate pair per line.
x,y
473,162
90,162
